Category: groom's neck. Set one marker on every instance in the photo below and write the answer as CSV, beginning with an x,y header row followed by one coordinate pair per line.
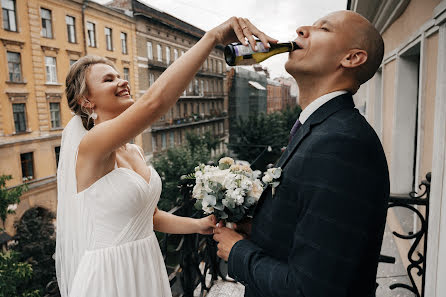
x,y
311,89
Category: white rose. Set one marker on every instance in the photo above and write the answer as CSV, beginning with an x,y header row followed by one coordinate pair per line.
x,y
275,172
267,178
12,207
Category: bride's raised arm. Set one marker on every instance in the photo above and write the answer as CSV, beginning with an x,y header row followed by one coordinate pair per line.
x,y
109,135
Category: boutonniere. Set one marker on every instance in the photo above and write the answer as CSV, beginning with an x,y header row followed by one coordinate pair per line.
x,y
271,178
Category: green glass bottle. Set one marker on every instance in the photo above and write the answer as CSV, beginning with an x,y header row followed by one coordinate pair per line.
x,y
239,54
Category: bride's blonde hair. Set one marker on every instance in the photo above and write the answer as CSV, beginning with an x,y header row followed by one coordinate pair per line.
x,y
76,85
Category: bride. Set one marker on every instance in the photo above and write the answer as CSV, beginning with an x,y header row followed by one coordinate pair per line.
x,y
107,196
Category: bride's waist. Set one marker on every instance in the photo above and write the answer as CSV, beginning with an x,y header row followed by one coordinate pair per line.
x,y
149,239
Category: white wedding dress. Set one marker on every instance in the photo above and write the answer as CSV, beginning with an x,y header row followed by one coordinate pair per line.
x,y
120,254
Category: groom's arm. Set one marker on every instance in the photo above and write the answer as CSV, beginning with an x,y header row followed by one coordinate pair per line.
x,y
337,236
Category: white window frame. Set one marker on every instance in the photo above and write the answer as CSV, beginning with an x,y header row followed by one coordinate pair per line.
x,y
51,69
167,55
149,50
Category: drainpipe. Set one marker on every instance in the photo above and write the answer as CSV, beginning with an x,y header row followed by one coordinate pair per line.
x,y
84,6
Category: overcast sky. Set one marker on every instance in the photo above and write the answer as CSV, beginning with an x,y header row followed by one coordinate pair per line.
x,y
277,18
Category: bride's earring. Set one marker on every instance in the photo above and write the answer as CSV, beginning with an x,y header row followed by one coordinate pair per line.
x,y
93,115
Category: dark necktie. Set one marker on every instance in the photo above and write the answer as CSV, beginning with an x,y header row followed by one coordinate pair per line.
x,y
293,131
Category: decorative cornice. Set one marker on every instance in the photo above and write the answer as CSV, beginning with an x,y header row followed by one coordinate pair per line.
x,y
50,48
17,96
12,42
53,95
71,52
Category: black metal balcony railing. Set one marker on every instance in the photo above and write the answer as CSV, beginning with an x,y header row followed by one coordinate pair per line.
x,y
187,121
419,238
197,262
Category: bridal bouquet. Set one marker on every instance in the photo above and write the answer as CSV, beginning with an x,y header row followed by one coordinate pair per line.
x,y
230,191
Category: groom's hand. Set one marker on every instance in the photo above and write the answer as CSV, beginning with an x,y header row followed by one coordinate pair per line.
x,y
226,239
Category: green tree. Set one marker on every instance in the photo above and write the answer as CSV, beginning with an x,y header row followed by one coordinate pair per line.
x,y
178,161
258,133
9,197
35,243
14,275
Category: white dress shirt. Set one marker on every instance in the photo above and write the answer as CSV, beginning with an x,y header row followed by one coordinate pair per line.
x,y
313,106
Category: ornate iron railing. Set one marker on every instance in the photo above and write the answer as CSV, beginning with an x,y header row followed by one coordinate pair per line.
x,y
417,252
197,262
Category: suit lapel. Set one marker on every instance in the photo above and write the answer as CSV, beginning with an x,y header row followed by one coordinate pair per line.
x,y
322,113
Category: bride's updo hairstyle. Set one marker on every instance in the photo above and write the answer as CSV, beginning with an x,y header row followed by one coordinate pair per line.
x,y
76,85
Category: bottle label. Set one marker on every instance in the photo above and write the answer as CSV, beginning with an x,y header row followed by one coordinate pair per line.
x,y
243,50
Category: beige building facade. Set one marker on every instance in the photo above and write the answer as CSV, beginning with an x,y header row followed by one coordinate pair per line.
x,y
406,104
161,39
39,42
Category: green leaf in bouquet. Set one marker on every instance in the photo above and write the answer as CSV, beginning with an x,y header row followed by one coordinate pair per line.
x,y
190,176
224,166
219,206
223,215
198,205
249,201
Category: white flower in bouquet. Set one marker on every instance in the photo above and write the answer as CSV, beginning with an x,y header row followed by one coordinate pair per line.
x,y
257,190
230,190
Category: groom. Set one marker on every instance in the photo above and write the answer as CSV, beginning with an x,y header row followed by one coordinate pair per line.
x,y
320,234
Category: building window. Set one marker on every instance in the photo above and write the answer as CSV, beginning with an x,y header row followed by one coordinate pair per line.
x,y
71,28
153,143
127,74
201,87
182,52
159,52
57,154
14,67
205,64
91,32
175,54
167,55
172,139
19,115
9,16
47,30
151,79
108,38
124,42
27,166
72,61
178,115
196,87
163,141
55,115
190,87
51,71
220,67
185,110
149,50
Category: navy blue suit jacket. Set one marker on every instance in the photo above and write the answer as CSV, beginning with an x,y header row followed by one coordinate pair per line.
x,y
320,235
